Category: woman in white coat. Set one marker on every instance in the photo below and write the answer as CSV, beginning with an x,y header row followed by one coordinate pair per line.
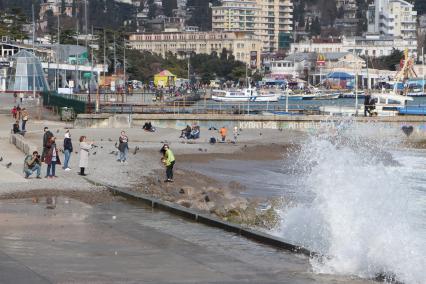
x,y
84,154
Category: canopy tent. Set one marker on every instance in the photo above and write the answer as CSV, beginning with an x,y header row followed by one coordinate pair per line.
x,y
339,80
164,79
340,76
26,74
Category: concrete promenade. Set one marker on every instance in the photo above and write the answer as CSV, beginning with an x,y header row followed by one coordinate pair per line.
x,y
120,242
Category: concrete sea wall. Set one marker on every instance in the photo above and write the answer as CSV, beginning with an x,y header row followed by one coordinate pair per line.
x,y
22,144
415,124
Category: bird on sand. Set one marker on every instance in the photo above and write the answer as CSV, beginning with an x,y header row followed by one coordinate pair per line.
x,y
9,165
1,159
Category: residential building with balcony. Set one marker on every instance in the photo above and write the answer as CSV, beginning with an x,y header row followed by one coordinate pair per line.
x,y
393,18
272,20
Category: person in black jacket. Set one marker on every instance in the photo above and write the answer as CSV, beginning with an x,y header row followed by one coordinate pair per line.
x,y
46,138
67,150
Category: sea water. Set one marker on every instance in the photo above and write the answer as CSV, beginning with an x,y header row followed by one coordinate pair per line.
x,y
367,216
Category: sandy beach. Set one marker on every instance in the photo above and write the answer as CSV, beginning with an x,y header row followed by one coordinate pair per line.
x,y
144,172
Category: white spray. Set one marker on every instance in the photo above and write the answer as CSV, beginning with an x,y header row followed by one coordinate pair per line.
x,y
361,216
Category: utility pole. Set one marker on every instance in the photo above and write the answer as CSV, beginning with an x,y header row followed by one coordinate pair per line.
x,y
104,55
115,57
85,20
124,67
423,69
34,61
356,85
57,56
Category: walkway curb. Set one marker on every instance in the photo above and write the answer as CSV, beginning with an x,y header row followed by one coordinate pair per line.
x,y
206,219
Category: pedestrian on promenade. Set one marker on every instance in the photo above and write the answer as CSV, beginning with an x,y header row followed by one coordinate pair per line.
x,y
46,137
235,133
24,116
169,161
32,163
52,158
123,147
15,96
67,150
14,112
84,154
223,132
21,97
18,113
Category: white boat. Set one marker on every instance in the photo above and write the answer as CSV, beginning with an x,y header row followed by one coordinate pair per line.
x,y
387,104
319,95
244,95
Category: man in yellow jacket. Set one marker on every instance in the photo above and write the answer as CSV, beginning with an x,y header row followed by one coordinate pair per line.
x,y
169,161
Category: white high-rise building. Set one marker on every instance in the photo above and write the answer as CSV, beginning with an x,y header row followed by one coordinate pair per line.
x,y
392,18
272,20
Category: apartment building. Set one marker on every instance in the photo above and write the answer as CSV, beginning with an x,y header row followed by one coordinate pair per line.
x,y
371,45
56,7
245,46
394,18
271,20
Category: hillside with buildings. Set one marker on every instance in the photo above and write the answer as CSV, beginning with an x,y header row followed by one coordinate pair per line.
x,y
256,33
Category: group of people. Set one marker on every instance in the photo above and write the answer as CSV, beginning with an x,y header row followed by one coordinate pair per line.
x,y
51,157
21,117
224,132
190,132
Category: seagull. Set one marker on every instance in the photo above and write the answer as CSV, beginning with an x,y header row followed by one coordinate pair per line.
x,y
102,139
136,150
109,139
57,130
8,165
1,159
102,147
200,149
94,153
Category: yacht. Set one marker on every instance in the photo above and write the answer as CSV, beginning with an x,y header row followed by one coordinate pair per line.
x,y
244,95
387,104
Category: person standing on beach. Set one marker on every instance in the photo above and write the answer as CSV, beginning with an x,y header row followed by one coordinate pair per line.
x,y
169,161
235,133
24,116
52,158
123,147
84,154
14,112
67,150
46,137
223,132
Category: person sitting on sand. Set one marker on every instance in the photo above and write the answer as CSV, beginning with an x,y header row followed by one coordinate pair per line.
x,y
186,132
15,128
148,127
195,133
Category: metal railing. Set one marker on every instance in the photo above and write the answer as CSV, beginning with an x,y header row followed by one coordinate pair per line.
x,y
210,107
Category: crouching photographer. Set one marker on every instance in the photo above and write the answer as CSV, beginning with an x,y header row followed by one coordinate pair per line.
x,y
32,164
